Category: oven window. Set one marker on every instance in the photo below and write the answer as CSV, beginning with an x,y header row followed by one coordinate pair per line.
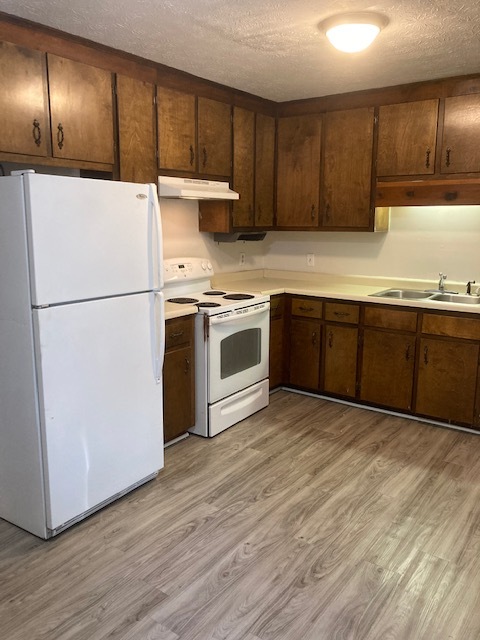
x,y
240,351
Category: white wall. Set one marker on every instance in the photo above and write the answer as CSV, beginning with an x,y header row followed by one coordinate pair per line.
x,y
182,239
422,241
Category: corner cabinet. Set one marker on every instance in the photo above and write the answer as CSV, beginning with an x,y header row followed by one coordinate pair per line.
x,y
298,171
179,377
77,99
347,173
194,134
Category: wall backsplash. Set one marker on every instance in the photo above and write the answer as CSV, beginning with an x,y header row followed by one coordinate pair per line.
x,y
421,242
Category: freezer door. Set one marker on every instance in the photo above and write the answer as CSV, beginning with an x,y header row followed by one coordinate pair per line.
x,y
91,238
100,399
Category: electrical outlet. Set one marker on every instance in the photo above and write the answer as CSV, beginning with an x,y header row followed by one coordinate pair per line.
x,y
310,260
242,259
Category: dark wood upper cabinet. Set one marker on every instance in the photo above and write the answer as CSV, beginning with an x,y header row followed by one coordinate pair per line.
x,y
347,173
407,136
243,166
461,135
194,134
24,122
136,130
214,137
81,111
177,145
264,169
298,171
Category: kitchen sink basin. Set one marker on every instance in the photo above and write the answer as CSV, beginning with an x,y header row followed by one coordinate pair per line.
x,y
455,298
406,294
414,294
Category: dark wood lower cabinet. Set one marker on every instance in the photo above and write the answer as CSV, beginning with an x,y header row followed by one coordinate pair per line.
x,y
178,378
447,380
340,360
277,347
387,368
305,346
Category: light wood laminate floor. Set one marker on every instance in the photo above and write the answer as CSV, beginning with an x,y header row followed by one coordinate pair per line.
x,y
311,520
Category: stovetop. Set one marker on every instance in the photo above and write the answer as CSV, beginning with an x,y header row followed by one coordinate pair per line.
x,y
187,281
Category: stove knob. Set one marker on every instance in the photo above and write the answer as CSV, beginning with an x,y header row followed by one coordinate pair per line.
x,y
209,266
204,265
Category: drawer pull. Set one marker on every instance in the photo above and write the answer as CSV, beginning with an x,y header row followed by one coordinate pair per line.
x,y
341,314
302,308
179,334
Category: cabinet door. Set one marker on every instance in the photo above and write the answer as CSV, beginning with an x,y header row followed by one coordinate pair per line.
x,y
24,121
214,137
298,171
347,176
176,130
447,377
461,135
340,360
243,166
81,110
305,343
264,170
387,368
407,136
178,386
136,130
276,365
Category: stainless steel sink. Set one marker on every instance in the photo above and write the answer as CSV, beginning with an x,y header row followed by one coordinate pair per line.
x,y
455,298
406,294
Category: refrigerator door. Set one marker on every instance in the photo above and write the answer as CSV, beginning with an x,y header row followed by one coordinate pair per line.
x,y
100,398
91,238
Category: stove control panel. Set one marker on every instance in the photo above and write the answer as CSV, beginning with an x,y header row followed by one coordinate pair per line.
x,y
190,269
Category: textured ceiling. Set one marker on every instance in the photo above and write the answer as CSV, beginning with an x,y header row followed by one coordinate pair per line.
x,y
273,48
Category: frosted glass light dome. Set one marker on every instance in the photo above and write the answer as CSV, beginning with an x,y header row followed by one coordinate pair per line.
x,y
353,32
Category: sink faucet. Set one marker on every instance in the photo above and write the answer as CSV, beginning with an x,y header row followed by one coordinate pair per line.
x,y
441,282
469,287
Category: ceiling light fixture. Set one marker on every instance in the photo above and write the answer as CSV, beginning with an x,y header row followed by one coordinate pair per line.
x,y
352,32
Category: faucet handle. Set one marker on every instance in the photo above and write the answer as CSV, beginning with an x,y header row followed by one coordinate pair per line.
x,y
469,287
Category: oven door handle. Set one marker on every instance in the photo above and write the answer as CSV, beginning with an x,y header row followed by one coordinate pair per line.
x,y
238,317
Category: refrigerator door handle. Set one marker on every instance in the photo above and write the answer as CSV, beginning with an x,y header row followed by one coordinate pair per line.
x,y
157,248
159,333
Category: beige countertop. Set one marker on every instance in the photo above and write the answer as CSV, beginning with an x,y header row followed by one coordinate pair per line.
x,y
178,310
341,287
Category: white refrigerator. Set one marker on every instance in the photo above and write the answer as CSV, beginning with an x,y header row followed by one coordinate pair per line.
x,y
82,333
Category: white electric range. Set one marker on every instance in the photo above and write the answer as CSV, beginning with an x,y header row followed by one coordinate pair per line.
x,y
232,333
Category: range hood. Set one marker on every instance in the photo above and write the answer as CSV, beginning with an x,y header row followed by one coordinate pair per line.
x,y
193,189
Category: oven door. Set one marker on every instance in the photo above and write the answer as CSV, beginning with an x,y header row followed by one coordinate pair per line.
x,y
237,351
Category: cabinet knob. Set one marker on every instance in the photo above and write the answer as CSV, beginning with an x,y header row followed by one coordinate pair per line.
x,y
37,133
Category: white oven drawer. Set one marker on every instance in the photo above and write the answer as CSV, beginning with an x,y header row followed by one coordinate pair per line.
x,y
229,411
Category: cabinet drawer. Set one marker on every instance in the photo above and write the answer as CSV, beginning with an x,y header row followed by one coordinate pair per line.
x,y
338,312
391,319
307,307
451,326
178,331
277,306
